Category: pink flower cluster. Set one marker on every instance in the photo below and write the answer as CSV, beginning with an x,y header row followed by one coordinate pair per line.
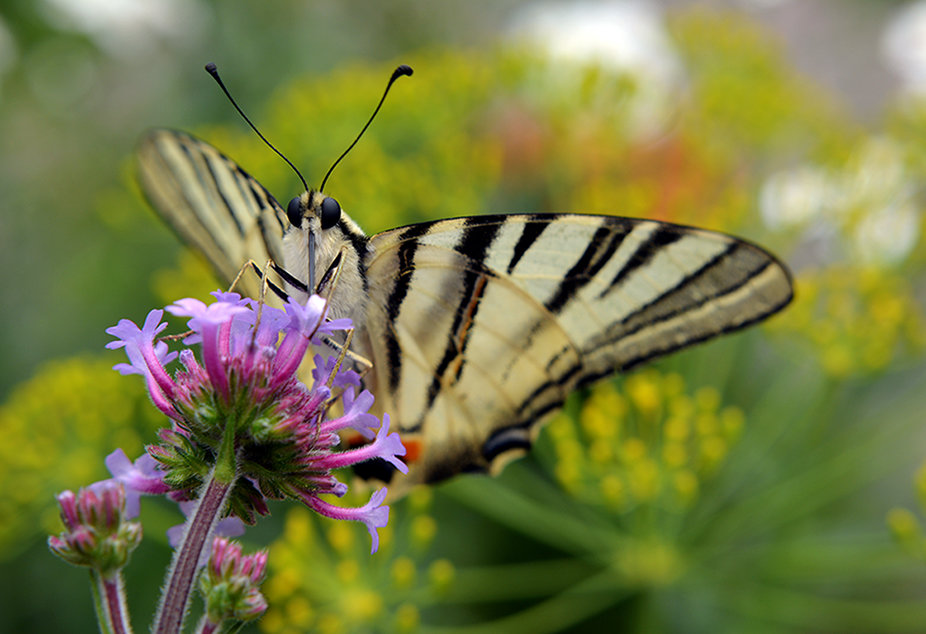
x,y
245,376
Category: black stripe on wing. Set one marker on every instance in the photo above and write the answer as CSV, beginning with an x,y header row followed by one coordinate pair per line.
x,y
600,250
475,243
529,235
201,160
405,269
725,274
662,237
209,201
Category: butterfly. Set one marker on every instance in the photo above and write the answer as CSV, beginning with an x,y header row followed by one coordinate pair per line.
x,y
478,328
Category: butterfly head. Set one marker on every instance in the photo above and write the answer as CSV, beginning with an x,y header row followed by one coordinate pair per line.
x,y
325,209
325,247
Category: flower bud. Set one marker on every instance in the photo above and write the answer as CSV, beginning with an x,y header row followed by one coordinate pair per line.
x,y
97,534
230,583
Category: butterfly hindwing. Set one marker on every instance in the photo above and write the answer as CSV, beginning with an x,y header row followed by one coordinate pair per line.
x,y
211,203
480,327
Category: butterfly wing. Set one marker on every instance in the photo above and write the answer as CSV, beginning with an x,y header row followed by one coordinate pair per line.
x,y
480,327
211,203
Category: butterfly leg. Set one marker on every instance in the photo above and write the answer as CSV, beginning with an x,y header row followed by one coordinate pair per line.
x,y
360,361
332,274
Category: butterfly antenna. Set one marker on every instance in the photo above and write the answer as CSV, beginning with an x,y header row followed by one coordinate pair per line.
x,y
212,70
400,71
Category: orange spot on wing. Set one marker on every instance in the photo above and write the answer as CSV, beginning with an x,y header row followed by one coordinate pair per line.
x,y
412,450
353,440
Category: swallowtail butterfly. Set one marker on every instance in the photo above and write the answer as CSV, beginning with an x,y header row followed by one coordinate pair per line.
x,y
478,328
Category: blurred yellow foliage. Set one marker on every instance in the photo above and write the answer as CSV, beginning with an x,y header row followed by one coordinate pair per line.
x,y
58,426
334,584
667,441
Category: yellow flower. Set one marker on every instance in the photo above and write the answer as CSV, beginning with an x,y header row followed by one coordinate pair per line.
x,y
856,320
670,441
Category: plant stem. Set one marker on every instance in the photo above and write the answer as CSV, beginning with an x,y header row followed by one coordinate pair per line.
x,y
182,572
109,600
176,598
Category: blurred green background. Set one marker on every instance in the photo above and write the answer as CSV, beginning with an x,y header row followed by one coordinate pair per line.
x,y
766,482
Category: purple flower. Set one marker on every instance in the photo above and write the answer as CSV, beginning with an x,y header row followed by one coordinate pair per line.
x,y
272,321
227,560
304,323
385,446
213,323
145,357
141,478
229,297
324,368
244,382
355,415
373,514
310,318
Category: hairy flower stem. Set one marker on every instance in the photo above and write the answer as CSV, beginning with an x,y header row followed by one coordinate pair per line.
x,y
109,599
186,558
176,597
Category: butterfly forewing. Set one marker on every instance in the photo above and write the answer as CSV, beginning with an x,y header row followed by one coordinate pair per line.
x,y
482,326
211,203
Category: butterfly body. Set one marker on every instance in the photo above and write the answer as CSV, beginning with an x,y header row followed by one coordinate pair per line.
x,y
478,328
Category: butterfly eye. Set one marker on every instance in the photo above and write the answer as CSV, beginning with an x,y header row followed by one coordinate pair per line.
x,y
294,212
331,212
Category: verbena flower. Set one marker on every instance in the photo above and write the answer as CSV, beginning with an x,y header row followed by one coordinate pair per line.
x,y
230,583
53,423
245,381
97,534
139,478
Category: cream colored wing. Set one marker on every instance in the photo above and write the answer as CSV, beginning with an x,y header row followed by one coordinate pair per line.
x,y
480,327
211,203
